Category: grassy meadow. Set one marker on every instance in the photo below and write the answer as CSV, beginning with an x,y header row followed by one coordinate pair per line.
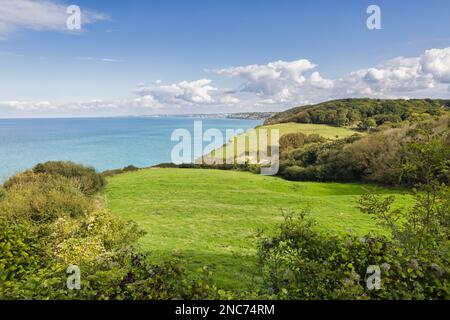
x,y
328,132
212,217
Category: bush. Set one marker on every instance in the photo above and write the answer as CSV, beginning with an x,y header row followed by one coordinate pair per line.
x,y
297,173
292,141
301,263
408,156
20,251
130,278
367,124
87,179
109,173
39,199
104,248
47,223
314,138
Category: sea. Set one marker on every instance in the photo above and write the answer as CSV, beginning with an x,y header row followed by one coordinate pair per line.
x,y
103,143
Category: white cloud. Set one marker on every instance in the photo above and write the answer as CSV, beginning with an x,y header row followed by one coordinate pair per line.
x,y
39,15
436,62
397,75
196,91
42,106
279,78
317,81
27,105
147,102
185,93
273,86
287,83
429,71
228,100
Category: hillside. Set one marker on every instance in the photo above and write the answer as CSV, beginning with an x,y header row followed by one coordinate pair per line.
x,y
351,112
325,131
339,119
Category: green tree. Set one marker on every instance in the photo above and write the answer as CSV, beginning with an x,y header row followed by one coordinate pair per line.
x,y
367,124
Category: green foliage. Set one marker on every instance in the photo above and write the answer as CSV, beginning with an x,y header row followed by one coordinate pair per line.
x,y
301,263
420,241
167,280
319,162
109,173
314,138
369,112
129,277
367,124
86,178
426,153
296,173
421,230
41,199
19,252
48,221
292,141
403,156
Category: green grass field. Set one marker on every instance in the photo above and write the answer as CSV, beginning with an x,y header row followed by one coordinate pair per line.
x,y
211,217
328,132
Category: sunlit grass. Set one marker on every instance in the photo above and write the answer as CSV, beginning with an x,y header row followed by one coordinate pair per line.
x,y
211,217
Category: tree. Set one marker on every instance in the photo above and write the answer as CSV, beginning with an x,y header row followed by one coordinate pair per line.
x,y
420,230
367,124
292,141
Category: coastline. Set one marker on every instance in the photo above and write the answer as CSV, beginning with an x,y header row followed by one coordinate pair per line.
x,y
106,143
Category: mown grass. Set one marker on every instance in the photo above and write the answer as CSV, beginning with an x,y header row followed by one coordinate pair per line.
x,y
211,217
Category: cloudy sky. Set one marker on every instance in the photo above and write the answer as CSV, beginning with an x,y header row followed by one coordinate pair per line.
x,y
141,57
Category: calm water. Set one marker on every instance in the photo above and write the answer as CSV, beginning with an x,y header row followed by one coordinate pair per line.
x,y
108,143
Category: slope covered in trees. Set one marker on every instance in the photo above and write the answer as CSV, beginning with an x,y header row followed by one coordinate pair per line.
x,y
362,112
396,156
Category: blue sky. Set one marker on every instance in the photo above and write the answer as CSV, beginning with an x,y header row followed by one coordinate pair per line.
x,y
216,56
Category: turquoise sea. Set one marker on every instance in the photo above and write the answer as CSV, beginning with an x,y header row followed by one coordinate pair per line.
x,y
104,143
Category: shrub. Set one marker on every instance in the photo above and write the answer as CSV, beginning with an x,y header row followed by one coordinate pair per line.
x,y
293,173
420,242
113,172
20,251
87,179
42,198
131,277
367,124
409,155
292,141
302,263
47,223
297,173
314,138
